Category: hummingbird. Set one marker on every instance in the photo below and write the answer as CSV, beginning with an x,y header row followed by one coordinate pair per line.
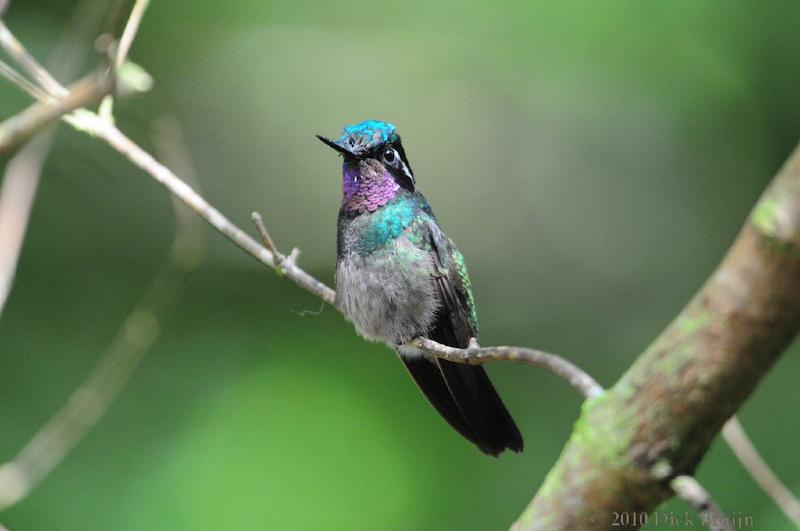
x,y
399,277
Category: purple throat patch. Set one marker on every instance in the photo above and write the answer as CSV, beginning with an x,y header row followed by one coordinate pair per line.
x,y
366,193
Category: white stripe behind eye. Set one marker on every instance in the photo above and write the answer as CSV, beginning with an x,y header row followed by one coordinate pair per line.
x,y
407,171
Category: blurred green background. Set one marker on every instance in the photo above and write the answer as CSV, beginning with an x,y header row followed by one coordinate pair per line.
x,y
593,162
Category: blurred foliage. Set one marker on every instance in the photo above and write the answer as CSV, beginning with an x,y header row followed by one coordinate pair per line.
x,y
593,164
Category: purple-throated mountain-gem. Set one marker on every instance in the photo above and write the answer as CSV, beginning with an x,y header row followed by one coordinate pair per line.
x,y
398,276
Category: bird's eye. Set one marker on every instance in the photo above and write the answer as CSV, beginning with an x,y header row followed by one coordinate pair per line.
x,y
390,155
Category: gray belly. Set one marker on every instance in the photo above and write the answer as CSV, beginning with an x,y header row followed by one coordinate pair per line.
x,y
389,296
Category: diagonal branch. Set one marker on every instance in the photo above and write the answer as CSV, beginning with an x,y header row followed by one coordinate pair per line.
x,y
667,408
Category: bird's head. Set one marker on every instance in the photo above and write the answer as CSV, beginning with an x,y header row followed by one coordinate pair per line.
x,y
375,164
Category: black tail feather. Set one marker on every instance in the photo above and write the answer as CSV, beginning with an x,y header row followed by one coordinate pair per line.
x,y
465,397
481,406
430,380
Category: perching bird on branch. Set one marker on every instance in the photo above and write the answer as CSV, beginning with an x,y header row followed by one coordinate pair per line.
x,y
398,276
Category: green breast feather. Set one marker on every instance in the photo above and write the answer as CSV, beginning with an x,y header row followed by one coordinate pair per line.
x,y
386,224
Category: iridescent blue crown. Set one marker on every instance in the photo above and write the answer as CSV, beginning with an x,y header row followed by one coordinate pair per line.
x,y
365,136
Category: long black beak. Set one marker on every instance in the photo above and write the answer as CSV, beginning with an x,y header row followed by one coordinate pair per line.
x,y
334,145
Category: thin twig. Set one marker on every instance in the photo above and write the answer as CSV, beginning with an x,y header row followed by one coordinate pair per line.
x,y
106,109
92,399
131,28
574,375
17,51
19,128
748,455
280,259
266,239
8,72
688,488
